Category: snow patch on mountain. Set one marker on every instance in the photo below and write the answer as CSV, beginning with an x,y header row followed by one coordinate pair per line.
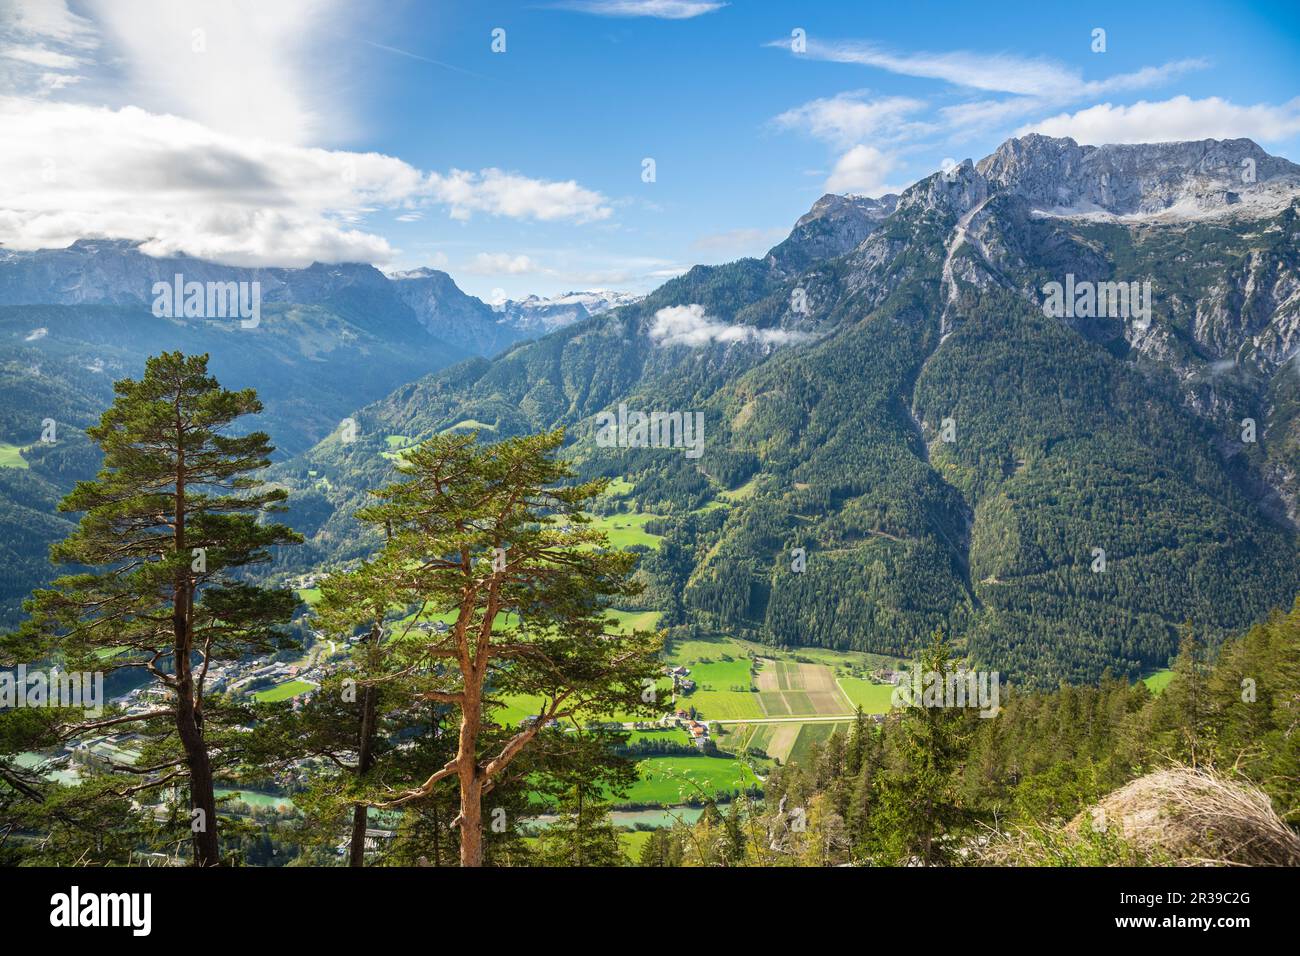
x,y
537,315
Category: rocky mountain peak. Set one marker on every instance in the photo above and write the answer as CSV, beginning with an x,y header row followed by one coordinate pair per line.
x,y
833,226
1058,176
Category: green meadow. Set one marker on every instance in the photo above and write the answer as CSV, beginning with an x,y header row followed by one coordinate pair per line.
x,y
1159,680
627,528
11,456
283,691
678,779
872,698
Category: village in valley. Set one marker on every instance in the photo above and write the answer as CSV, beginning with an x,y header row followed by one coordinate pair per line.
x,y
733,711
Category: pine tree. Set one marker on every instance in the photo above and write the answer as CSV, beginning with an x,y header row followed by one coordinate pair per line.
x,y
489,536
919,797
167,525
577,769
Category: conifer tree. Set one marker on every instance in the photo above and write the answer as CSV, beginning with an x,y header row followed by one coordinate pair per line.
x,y
919,800
491,538
166,527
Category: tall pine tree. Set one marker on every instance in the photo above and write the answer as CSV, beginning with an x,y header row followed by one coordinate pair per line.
x,y
166,527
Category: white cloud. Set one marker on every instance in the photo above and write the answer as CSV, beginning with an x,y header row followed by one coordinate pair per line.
x,y
45,44
849,118
994,72
1179,118
502,263
39,56
661,9
978,115
48,20
690,325
862,170
246,69
519,197
991,72
71,171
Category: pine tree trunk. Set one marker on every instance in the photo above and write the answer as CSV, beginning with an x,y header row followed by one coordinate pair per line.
x,y
471,822
471,785
202,795
360,813
189,715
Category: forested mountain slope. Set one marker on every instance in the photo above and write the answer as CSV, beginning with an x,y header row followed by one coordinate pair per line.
x,y
906,412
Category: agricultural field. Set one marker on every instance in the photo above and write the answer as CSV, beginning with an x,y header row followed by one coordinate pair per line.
x,y
811,734
782,741
737,738
789,688
872,698
677,779
283,691
819,683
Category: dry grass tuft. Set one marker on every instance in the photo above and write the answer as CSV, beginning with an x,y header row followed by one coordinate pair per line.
x,y
1196,817
1178,817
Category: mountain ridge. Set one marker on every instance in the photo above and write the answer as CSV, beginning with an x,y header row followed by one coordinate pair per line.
x,y
835,436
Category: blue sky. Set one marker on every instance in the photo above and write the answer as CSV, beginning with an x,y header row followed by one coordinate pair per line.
x,y
392,132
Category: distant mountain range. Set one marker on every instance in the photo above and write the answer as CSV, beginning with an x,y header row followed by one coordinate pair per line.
x,y
541,315
329,338
890,390
117,272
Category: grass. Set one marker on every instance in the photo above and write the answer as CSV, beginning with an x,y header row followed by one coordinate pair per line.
x,y
619,488
398,446
677,779
629,621
11,456
468,424
810,735
626,529
744,491
308,596
872,698
513,708
632,842
283,691
722,686
1158,681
